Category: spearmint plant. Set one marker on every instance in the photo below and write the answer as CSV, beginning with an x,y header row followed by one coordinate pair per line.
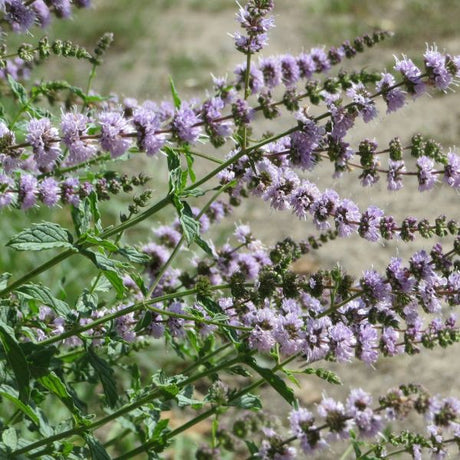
x,y
83,368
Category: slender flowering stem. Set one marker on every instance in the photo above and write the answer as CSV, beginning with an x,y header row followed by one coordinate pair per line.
x,y
181,241
155,393
135,307
210,412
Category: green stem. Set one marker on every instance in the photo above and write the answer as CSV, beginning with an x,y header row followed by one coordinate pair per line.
x,y
145,447
339,305
194,318
181,241
119,413
117,438
62,171
142,216
105,234
125,311
36,271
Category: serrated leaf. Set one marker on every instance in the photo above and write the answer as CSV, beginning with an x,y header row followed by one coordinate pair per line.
x,y
81,217
190,226
133,255
44,295
247,401
87,302
238,370
276,382
106,376
96,449
10,394
110,269
175,94
116,281
184,398
252,447
39,357
190,160
18,90
54,384
4,277
324,374
16,360
95,212
203,245
10,438
45,235
99,242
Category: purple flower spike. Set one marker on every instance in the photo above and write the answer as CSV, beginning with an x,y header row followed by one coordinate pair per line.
x,y
394,97
28,191
435,64
452,170
19,16
6,193
394,176
62,8
347,218
114,128
324,208
271,71
184,125
49,191
412,76
426,177
289,70
73,127
147,123
44,139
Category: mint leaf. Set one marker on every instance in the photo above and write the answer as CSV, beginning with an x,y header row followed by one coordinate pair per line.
x,y
45,235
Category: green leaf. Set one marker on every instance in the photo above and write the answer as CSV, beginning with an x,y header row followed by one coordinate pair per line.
x,y
18,90
116,281
54,384
247,401
81,217
106,376
45,235
238,370
4,277
96,449
252,447
39,357
175,171
16,360
133,255
175,95
10,438
190,159
190,226
10,394
185,398
101,243
324,374
44,295
87,302
110,269
203,245
276,382
95,212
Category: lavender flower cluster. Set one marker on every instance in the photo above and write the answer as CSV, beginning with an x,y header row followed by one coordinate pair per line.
x,y
340,419
22,15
